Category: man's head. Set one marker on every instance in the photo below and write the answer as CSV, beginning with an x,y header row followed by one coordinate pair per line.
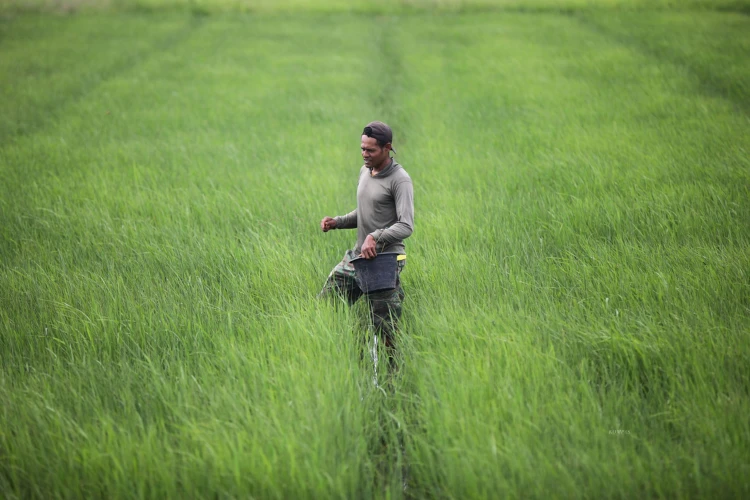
x,y
376,144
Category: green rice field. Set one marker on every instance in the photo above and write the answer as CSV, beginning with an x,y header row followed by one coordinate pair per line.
x,y
577,312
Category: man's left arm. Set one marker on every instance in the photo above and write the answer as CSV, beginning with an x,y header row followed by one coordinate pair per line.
x,y
403,196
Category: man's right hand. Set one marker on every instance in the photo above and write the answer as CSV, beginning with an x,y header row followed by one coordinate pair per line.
x,y
327,224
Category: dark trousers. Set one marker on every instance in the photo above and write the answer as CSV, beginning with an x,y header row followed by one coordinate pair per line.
x,y
385,306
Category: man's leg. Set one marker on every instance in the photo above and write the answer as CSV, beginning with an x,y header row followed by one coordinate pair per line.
x,y
385,309
341,282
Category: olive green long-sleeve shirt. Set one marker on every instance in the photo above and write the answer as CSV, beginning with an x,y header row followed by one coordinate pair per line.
x,y
385,209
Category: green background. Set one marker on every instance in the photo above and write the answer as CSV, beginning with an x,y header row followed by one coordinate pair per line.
x,y
577,295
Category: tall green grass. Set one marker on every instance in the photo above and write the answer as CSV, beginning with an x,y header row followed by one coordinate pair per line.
x,y
576,321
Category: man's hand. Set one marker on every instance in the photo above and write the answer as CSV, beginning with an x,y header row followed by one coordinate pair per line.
x,y
327,224
368,248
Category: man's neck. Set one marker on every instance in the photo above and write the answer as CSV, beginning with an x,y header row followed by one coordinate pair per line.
x,y
375,171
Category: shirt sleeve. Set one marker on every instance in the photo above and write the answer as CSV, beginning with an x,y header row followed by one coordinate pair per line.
x,y
348,221
403,196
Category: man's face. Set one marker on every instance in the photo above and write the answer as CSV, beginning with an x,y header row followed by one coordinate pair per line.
x,y
373,154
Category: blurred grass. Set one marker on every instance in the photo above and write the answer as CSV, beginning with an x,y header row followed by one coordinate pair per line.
x,y
362,6
576,321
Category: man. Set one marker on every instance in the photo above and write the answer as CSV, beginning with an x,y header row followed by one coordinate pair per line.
x,y
384,217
